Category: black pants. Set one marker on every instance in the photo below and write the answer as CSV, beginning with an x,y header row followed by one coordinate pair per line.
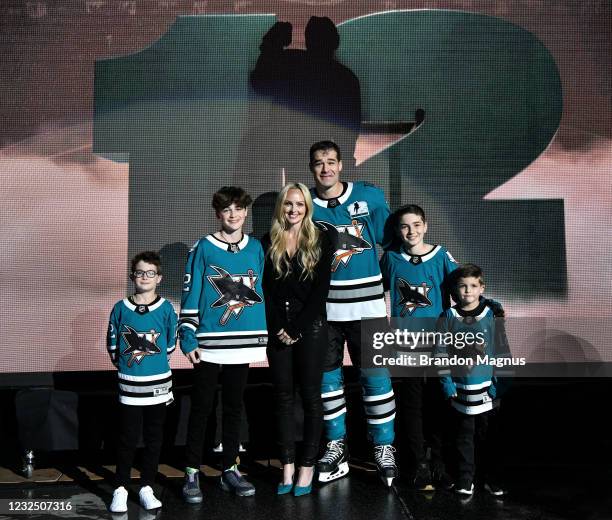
x,y
351,332
422,415
133,419
475,442
301,364
233,382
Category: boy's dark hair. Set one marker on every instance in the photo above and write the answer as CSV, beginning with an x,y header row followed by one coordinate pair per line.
x,y
468,271
404,210
150,257
324,145
229,195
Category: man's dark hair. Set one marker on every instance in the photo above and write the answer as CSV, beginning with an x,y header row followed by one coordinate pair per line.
x,y
229,195
150,257
322,146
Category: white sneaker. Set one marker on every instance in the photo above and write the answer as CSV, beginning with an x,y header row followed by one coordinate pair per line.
x,y
147,498
119,503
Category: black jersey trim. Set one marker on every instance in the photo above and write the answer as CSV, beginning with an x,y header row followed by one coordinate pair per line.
x,y
364,285
357,300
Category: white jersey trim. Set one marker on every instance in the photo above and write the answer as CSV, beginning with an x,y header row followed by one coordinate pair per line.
x,y
232,333
146,401
342,199
133,307
478,386
356,281
472,410
356,311
155,377
234,356
223,245
424,258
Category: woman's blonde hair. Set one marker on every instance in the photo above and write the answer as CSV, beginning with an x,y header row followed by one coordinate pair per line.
x,y
308,248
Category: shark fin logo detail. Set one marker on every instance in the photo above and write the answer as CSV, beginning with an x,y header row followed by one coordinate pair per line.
x,y
236,291
412,296
347,240
139,344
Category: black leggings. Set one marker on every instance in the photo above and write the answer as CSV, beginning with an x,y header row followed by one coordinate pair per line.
x,y
133,419
233,382
301,364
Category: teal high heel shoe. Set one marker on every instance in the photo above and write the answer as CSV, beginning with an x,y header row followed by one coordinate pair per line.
x,y
283,489
299,491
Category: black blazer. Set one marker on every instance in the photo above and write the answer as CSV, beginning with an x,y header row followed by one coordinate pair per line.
x,y
293,304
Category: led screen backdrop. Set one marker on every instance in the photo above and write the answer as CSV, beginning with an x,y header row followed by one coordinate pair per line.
x,y
120,119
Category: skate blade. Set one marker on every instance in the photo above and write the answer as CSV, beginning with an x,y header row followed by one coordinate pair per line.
x,y
387,481
330,476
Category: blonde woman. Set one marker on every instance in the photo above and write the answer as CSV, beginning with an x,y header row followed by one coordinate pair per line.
x,y
296,283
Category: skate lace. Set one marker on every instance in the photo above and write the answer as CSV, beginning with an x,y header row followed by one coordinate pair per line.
x,y
334,451
384,455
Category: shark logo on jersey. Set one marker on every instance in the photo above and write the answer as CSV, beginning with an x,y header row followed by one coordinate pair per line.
x,y
236,292
412,296
140,344
347,240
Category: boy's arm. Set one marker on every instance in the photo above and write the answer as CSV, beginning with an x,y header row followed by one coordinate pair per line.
x,y
189,319
441,351
112,338
385,271
171,325
450,264
380,217
502,376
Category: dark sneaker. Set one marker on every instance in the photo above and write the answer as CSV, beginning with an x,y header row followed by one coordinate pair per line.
x,y
440,478
191,488
233,481
464,487
495,490
423,480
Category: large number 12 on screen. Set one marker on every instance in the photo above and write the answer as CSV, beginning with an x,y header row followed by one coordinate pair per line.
x,y
183,112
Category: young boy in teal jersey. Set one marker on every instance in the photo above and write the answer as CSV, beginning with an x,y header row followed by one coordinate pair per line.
x,y
473,389
222,329
141,337
416,274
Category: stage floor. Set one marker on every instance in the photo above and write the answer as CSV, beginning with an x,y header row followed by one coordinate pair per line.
x,y
556,493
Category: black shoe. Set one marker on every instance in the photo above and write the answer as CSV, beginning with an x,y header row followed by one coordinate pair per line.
x,y
334,462
233,481
440,478
191,488
495,489
423,480
464,487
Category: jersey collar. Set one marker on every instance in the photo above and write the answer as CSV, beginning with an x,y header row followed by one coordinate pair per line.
x,y
221,244
341,199
421,258
141,308
478,313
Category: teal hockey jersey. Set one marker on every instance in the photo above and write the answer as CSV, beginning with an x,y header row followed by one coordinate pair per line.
x,y
355,222
140,340
416,282
222,307
474,384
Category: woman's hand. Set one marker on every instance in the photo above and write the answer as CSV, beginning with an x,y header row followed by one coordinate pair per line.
x,y
283,337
